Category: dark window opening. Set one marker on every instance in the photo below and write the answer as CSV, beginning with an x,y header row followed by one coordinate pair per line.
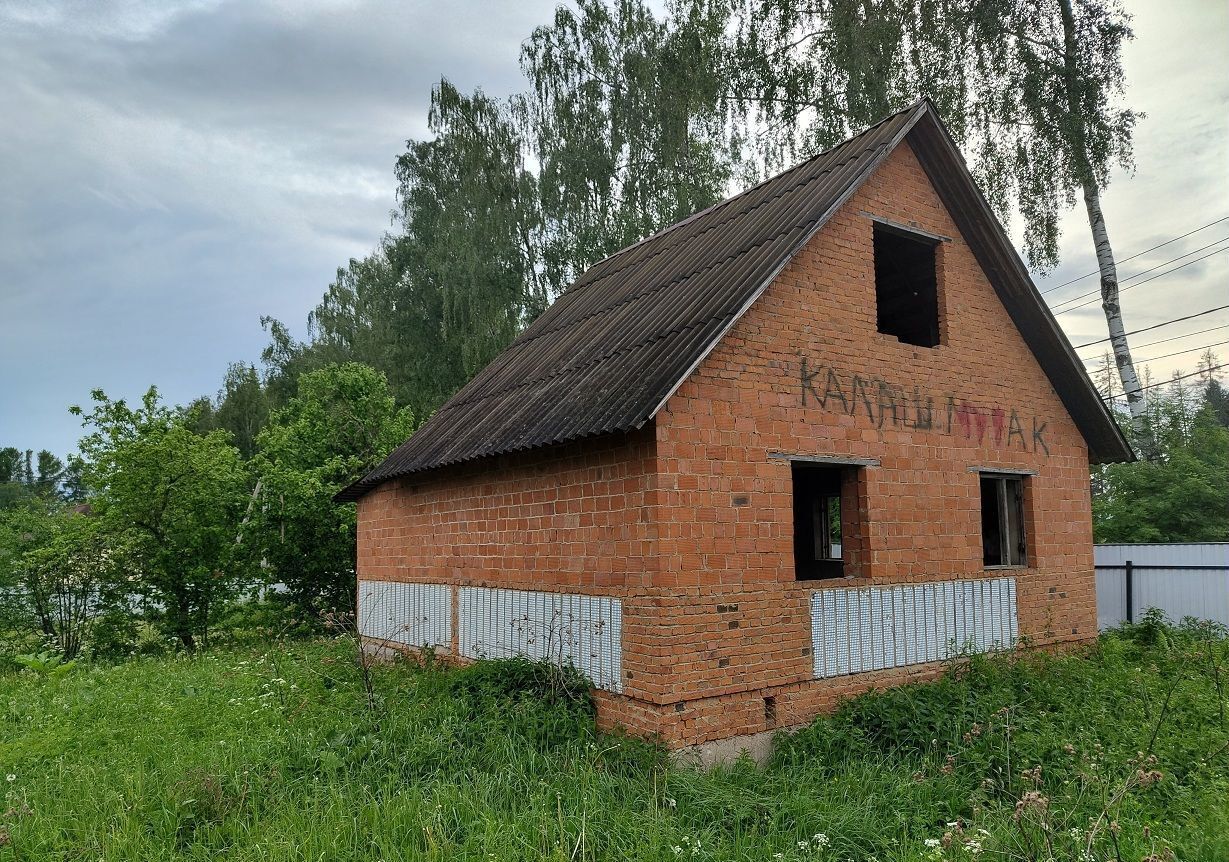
x,y
906,289
1002,521
819,529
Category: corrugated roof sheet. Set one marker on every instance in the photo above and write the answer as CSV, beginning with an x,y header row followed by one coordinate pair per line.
x,y
609,352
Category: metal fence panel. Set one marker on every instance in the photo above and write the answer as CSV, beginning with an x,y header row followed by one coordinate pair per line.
x,y
416,615
1181,579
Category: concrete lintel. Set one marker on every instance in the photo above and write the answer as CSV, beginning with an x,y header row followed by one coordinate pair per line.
x,y
838,460
907,228
1004,471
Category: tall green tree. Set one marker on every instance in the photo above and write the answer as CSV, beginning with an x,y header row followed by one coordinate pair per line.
x,y
176,499
24,474
1181,492
625,128
10,465
241,407
1218,402
629,119
339,425
440,298
51,472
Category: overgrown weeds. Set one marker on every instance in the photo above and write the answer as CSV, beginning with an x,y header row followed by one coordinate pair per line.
x,y
1116,752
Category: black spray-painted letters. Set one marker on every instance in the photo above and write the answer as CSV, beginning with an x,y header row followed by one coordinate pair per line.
x,y
890,404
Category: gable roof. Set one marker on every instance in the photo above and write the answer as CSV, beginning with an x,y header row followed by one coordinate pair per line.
x,y
613,348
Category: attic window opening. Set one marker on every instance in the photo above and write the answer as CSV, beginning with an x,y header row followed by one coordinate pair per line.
x,y
906,286
821,523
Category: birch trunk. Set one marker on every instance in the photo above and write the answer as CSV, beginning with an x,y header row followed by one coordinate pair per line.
x,y
1096,223
1113,311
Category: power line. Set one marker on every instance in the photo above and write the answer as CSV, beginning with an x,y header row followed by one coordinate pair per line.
x,y
1156,326
1166,355
1185,335
1170,380
1138,254
1146,280
1131,278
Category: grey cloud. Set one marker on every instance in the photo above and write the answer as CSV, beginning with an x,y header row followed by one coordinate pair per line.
x,y
172,173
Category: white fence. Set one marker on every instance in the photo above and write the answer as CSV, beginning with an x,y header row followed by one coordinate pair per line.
x,y
1180,579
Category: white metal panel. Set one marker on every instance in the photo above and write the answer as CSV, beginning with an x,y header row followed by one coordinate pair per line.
x,y
1176,591
930,622
871,628
881,633
1013,617
1164,554
840,631
1179,594
1111,598
830,642
417,615
817,638
900,630
560,627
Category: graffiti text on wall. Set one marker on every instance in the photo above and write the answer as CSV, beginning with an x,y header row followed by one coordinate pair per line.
x,y
890,404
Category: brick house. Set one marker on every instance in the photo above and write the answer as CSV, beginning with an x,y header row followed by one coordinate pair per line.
x,y
809,441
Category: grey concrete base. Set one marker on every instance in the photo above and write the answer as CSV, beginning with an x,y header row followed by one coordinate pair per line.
x,y
379,651
722,752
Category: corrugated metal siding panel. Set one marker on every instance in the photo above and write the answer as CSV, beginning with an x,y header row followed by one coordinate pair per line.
x,y
1164,554
872,628
584,630
416,615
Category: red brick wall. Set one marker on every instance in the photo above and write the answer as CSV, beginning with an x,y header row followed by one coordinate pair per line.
x,y
920,507
690,521
575,518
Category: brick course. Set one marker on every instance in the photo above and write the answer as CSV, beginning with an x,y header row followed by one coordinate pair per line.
x,y
689,520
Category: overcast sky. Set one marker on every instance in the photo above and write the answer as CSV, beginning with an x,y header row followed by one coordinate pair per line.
x,y
171,172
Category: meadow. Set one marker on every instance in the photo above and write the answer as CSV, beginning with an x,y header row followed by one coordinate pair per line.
x,y
1119,751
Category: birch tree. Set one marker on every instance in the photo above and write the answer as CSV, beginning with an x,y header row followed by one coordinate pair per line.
x,y
1069,54
1031,91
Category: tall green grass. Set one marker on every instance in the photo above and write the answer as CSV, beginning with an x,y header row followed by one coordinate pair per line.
x,y
274,754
